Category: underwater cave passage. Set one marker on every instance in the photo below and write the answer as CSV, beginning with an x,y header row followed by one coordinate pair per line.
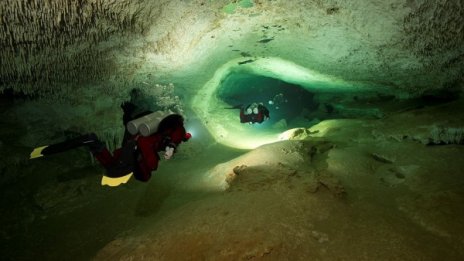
x,y
287,103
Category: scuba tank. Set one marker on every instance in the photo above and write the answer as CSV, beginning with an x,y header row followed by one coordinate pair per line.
x,y
148,124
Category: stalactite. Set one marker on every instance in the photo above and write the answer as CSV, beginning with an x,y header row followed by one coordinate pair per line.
x,y
37,40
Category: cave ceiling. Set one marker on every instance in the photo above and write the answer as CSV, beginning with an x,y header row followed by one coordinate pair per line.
x,y
53,46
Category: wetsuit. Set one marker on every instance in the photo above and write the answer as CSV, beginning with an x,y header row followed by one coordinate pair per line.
x,y
140,154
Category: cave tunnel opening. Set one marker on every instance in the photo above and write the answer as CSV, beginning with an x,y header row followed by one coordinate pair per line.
x,y
285,101
293,106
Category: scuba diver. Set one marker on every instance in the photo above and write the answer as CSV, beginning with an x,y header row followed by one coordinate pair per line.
x,y
145,135
254,113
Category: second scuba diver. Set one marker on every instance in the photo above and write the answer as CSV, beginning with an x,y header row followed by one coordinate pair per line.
x,y
254,113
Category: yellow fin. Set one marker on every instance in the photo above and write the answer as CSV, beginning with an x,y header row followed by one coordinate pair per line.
x,y
114,182
37,152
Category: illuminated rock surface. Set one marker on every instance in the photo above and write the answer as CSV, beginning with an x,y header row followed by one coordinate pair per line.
x,y
360,160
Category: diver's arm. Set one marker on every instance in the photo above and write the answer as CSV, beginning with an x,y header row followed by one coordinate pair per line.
x,y
178,136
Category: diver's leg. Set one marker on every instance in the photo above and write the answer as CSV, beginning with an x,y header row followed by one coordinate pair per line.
x,y
104,157
142,173
89,140
124,160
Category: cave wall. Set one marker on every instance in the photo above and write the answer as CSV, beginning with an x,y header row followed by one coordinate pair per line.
x,y
78,51
46,44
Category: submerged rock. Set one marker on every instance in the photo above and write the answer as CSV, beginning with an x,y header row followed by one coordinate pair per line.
x,y
282,124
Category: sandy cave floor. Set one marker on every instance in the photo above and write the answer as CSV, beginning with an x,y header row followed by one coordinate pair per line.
x,y
362,190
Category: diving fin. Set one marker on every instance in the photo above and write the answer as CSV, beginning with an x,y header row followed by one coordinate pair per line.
x,y
235,107
114,182
37,152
